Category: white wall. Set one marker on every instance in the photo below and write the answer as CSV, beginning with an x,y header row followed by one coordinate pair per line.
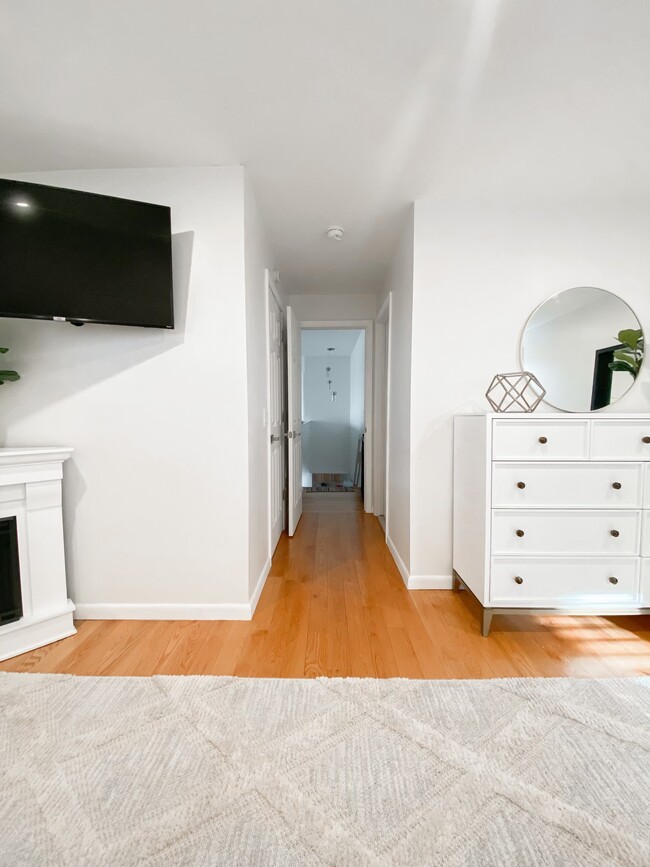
x,y
156,494
332,307
398,475
257,259
326,424
479,271
357,395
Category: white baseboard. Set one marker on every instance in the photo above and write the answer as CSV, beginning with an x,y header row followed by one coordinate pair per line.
x,y
429,582
174,610
418,582
403,571
261,581
161,611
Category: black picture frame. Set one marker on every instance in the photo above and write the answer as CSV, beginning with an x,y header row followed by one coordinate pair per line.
x,y
601,392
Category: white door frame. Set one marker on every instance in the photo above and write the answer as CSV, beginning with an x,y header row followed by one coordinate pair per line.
x,y
382,389
271,279
366,325
294,419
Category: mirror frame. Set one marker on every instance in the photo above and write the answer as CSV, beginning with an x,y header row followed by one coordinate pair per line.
x,y
520,348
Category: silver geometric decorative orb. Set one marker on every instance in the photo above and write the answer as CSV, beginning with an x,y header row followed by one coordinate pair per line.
x,y
515,392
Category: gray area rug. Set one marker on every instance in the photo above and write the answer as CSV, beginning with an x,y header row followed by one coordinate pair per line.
x,y
229,771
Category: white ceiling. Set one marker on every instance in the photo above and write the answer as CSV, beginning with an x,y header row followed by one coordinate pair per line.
x,y
315,342
343,111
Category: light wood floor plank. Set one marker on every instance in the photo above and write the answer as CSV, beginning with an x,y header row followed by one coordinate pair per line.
x,y
335,604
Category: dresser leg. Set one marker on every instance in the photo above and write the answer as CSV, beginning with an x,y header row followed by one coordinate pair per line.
x,y
487,622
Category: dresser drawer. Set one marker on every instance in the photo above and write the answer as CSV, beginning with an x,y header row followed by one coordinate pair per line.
x,y
539,440
557,486
571,582
570,531
620,440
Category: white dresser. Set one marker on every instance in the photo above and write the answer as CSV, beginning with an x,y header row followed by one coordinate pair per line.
x,y
552,513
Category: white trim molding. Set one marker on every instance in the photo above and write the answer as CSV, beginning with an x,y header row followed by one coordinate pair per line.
x,y
162,611
429,582
257,592
175,610
403,571
417,582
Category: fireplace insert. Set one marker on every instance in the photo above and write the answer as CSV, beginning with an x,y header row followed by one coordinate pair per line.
x,y
11,603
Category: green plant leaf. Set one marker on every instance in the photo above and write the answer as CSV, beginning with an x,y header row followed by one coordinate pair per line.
x,y
3,349
626,355
630,336
9,375
622,365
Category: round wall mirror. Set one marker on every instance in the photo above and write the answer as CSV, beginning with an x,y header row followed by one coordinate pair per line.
x,y
585,346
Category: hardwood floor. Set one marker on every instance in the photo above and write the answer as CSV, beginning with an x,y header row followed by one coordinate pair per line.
x,y
334,604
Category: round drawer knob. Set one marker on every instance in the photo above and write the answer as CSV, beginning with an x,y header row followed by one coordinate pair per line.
x,y
519,579
521,485
543,440
614,533
520,533
617,486
645,440
613,580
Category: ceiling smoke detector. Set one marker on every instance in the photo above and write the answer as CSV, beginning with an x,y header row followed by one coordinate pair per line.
x,y
335,233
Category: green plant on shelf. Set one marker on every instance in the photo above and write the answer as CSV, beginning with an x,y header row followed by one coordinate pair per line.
x,y
629,357
7,375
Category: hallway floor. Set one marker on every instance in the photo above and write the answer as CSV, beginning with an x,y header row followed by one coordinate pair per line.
x,y
335,605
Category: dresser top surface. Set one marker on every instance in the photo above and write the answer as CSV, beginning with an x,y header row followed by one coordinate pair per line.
x,y
556,416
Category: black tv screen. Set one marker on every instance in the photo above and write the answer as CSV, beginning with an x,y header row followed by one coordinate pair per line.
x,y
83,257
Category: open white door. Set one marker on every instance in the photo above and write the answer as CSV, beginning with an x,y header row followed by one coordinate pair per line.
x,y
276,419
294,383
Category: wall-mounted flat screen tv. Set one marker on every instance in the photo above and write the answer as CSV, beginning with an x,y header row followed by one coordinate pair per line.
x,y
82,257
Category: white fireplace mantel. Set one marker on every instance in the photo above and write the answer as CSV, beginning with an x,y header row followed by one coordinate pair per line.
x,y
30,491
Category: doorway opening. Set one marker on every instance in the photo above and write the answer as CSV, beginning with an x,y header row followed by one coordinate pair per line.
x,y
333,418
336,371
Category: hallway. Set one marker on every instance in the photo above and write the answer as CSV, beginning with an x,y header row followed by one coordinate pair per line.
x,y
335,605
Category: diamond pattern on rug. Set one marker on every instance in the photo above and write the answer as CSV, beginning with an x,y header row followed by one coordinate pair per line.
x,y
404,773
224,771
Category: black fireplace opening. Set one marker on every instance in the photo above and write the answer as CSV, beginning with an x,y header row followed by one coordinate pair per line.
x,y
11,602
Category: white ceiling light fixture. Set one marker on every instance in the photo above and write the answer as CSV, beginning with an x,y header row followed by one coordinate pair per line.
x,y
335,233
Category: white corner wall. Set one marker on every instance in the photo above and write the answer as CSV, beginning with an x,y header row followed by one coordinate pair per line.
x,y
257,259
479,271
156,495
399,286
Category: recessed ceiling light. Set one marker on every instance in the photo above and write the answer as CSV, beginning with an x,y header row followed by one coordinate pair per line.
x,y
335,233
21,204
